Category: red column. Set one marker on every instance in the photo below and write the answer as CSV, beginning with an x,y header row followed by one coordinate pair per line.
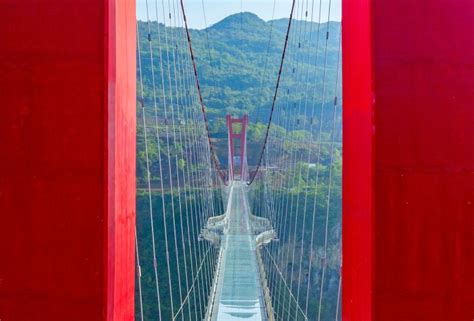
x,y
409,167
243,148
67,142
230,146
358,159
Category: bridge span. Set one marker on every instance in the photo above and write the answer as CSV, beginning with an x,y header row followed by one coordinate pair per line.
x,y
238,291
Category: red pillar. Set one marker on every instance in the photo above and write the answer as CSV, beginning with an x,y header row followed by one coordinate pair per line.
x,y
230,146
408,193
243,148
358,160
67,142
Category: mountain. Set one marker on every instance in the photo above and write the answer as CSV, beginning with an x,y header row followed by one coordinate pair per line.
x,y
238,60
245,21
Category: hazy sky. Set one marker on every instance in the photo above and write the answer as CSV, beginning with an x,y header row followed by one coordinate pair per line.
x,y
216,10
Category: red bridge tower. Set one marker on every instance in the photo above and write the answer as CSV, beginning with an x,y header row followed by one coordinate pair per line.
x,y
239,163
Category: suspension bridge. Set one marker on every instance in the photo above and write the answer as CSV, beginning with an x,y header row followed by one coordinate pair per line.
x,y
126,197
241,272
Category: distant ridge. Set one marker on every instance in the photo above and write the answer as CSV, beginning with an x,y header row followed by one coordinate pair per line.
x,y
251,22
235,53
248,21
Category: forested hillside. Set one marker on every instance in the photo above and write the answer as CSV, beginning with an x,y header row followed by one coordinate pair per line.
x,y
237,61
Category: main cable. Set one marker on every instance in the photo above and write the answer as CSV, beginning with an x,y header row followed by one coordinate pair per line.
x,y
215,160
275,93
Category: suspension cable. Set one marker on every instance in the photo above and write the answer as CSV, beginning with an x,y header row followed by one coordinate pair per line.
x,y
214,157
330,181
193,284
150,203
285,283
262,79
275,93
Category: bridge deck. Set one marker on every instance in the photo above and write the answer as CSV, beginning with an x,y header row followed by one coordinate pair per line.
x,y
238,294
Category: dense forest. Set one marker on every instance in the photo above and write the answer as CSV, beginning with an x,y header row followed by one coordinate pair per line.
x,y
237,62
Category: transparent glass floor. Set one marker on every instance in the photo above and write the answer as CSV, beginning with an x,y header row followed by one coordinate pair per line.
x,y
239,294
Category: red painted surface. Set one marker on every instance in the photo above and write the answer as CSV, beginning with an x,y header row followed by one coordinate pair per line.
x,y
358,159
423,154
241,136
67,141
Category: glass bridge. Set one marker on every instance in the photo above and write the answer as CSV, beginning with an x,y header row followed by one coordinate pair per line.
x,y
238,294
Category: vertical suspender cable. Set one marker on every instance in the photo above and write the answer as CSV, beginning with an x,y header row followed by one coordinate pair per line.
x,y
328,198
165,224
142,101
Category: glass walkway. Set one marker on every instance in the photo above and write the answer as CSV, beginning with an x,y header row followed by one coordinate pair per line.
x,y
238,293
